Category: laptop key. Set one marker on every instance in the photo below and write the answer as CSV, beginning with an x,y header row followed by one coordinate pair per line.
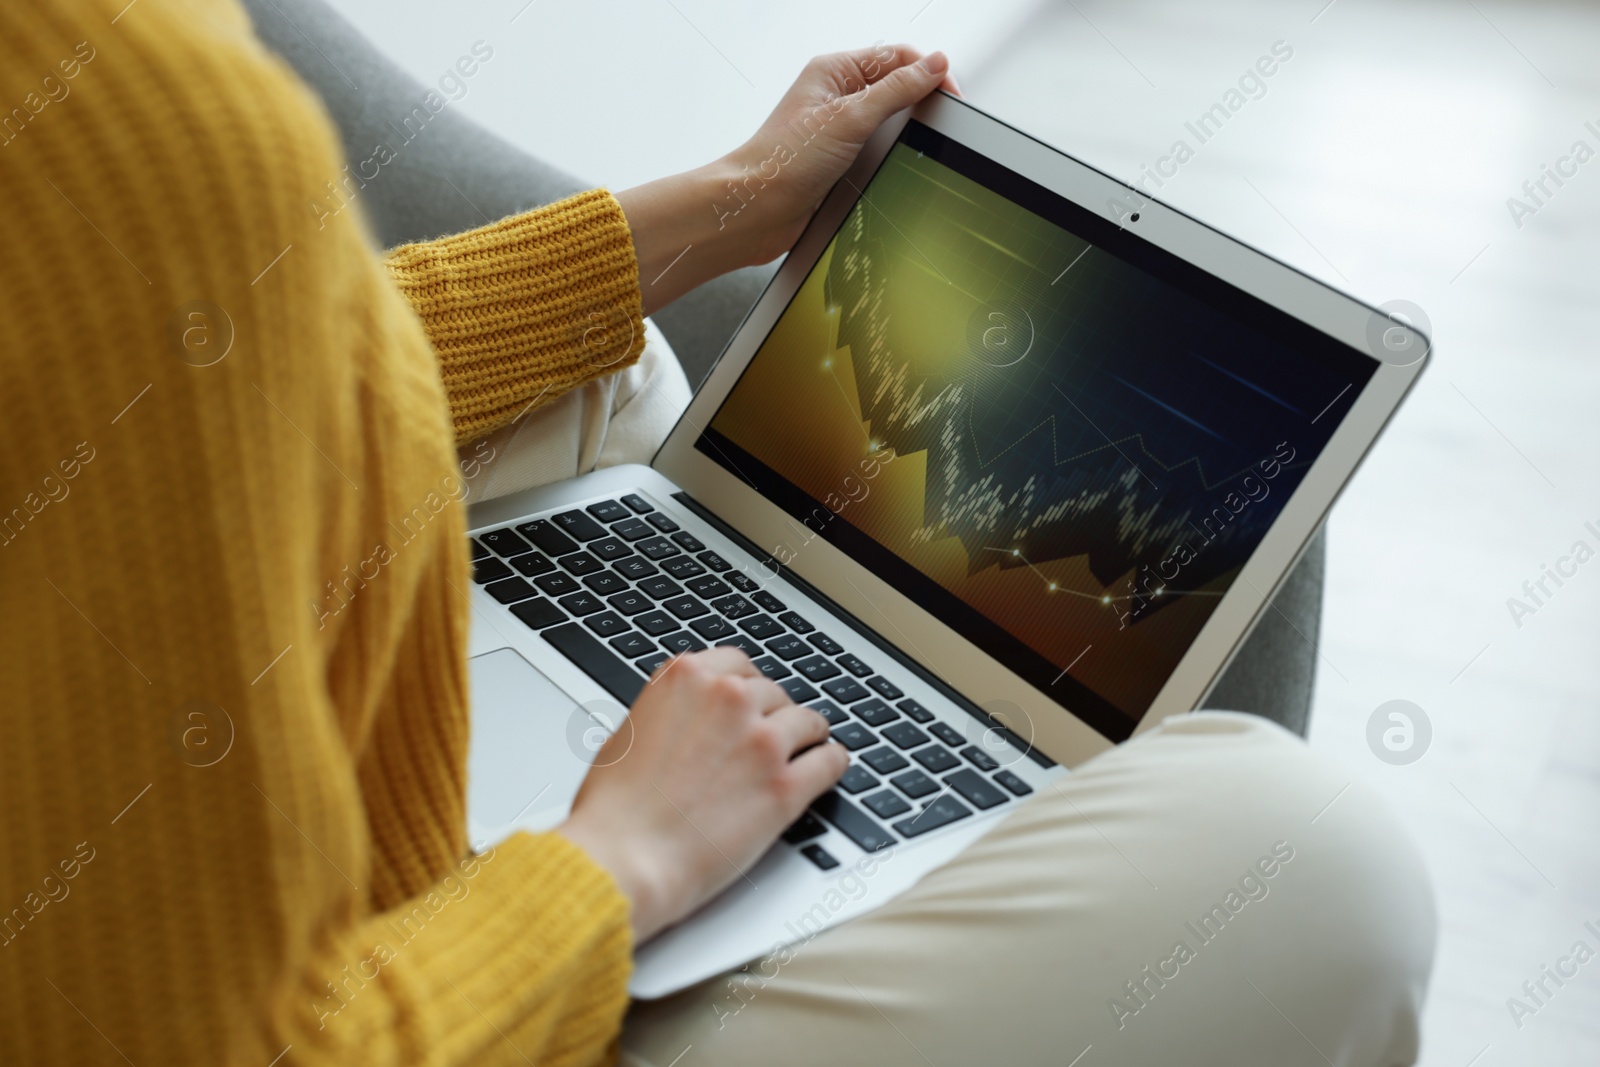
x,y
656,548
505,542
904,735
607,511
884,760
851,821
580,603
804,828
857,780
796,623
556,584
685,607
798,689
538,614
817,668
610,549
820,856
875,712
630,603
478,551
733,607
885,688
914,711
596,660
712,627
978,790
936,759
580,563
743,644
510,590
576,524
688,541
914,784
532,564
714,561
489,570
632,644
682,567
638,503
768,601
948,734
826,645
979,758
633,529
606,624
1013,783
708,587
886,805
831,711
742,582
853,735
636,568
771,667
761,627
605,583
547,538
681,641
942,812
661,522
655,623
660,587
788,647
851,663
650,663
845,690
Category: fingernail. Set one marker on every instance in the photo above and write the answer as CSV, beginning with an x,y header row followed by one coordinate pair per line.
x,y
935,63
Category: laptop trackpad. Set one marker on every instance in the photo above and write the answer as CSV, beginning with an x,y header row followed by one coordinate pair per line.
x,y
521,771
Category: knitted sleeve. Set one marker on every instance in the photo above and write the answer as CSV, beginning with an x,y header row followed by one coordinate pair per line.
x,y
524,309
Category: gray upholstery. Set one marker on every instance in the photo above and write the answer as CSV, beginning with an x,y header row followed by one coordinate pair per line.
x,y
456,175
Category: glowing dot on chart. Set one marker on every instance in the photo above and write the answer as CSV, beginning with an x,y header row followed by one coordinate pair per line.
x,y
1105,600
1161,590
1016,552
1054,587
828,362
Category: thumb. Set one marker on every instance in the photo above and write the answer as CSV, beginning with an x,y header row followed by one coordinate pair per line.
x,y
899,89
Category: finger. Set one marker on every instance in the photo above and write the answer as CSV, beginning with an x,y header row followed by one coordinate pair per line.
x,y
898,89
878,62
800,727
725,659
769,695
815,771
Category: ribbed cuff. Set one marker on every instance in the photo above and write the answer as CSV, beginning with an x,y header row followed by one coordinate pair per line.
x,y
524,309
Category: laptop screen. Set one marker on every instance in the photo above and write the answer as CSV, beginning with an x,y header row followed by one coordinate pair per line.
x,y
1058,439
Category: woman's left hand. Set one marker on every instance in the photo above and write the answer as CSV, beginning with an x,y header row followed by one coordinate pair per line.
x,y
750,206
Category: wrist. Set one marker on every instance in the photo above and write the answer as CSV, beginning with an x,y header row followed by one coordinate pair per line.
x,y
635,878
749,209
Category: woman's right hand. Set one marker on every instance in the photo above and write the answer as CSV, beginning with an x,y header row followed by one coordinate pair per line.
x,y
711,764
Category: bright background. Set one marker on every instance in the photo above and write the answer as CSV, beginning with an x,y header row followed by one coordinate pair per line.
x,y
1380,160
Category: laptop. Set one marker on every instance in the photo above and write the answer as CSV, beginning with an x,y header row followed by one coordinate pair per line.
x,y
998,473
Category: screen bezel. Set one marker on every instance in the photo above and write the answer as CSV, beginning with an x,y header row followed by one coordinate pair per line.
x,y
1043,719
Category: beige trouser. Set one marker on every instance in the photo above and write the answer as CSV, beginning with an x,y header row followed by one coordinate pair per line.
x,y
1210,893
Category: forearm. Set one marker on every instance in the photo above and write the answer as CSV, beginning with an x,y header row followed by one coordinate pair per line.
x,y
689,228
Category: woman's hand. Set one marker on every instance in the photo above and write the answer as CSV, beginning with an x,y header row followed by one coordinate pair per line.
x,y
712,762
750,206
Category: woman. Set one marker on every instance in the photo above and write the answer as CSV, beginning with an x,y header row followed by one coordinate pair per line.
x,y
234,624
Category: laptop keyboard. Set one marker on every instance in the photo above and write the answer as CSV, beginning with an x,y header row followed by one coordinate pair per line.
x,y
618,587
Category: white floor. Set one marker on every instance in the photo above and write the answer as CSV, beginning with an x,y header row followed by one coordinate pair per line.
x,y
1380,158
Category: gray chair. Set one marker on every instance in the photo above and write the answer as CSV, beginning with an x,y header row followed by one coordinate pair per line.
x,y
454,174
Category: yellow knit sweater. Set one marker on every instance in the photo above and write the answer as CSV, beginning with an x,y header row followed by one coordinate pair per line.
x,y
231,819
